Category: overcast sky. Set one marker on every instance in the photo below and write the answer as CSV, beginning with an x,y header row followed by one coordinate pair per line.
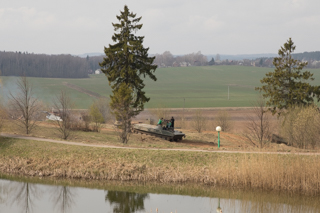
x,y
179,26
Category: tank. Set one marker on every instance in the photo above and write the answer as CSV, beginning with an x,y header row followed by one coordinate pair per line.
x,y
170,134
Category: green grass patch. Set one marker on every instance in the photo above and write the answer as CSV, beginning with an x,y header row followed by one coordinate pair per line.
x,y
199,86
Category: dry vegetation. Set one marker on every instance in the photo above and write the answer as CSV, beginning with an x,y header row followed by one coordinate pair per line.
x,y
223,120
293,173
301,127
199,121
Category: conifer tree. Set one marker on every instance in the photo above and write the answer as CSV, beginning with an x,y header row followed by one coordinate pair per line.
x,y
287,86
127,61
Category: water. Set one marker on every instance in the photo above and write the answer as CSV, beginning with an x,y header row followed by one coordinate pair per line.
x,y
49,195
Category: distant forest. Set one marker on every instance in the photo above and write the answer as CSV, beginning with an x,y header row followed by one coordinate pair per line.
x,y
308,56
47,66
68,66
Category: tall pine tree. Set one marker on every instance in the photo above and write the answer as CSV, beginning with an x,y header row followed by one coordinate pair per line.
x,y
288,85
127,61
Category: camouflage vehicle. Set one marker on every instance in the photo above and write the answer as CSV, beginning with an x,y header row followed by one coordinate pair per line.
x,y
158,131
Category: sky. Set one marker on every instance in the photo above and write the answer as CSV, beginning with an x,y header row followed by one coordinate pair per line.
x,y
179,26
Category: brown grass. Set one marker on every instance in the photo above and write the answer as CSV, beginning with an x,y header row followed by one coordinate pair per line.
x,y
291,173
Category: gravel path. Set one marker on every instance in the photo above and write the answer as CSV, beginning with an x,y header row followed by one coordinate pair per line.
x,y
121,147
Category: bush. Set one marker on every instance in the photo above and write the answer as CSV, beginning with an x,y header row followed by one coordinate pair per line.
x,y
103,106
300,126
162,112
86,118
199,121
96,117
223,120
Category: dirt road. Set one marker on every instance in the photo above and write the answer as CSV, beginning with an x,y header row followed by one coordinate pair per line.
x,y
120,147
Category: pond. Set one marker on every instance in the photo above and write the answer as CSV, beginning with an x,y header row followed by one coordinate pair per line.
x,y
50,195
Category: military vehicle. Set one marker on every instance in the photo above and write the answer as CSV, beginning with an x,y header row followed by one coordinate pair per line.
x,y
158,131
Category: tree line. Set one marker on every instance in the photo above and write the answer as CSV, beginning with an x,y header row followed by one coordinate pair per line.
x,y
313,59
46,66
166,59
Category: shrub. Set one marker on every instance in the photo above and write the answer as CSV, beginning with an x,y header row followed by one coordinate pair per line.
x,y
96,117
223,120
199,121
300,126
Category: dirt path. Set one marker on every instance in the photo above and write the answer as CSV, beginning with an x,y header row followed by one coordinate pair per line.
x,y
120,147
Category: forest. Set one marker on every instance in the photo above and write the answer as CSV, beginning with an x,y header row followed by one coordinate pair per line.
x,y
46,66
69,66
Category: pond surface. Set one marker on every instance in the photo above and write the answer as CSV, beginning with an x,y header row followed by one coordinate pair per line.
x,y
30,195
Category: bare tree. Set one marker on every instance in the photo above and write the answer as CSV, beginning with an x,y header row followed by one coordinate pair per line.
x,y
63,105
24,195
103,106
23,106
162,111
259,124
223,120
86,118
63,198
199,121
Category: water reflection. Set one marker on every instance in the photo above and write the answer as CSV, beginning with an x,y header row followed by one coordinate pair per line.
x,y
130,197
125,202
219,210
4,192
24,195
63,198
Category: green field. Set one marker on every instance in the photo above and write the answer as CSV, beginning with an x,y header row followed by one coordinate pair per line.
x,y
200,87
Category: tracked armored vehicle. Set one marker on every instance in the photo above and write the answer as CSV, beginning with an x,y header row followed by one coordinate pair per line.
x,y
158,131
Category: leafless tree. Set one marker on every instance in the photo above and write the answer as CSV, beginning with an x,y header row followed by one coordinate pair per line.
x,y
103,106
64,105
162,112
23,106
223,120
199,121
63,198
86,120
24,195
259,128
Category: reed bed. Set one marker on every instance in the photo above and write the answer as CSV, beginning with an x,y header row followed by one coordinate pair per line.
x,y
293,173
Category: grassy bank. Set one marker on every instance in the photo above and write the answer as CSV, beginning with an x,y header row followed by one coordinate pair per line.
x,y
292,173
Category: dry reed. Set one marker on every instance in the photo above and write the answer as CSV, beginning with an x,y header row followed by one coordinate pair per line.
x,y
294,173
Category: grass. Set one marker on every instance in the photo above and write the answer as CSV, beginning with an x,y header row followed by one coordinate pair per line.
x,y
176,87
107,136
291,173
